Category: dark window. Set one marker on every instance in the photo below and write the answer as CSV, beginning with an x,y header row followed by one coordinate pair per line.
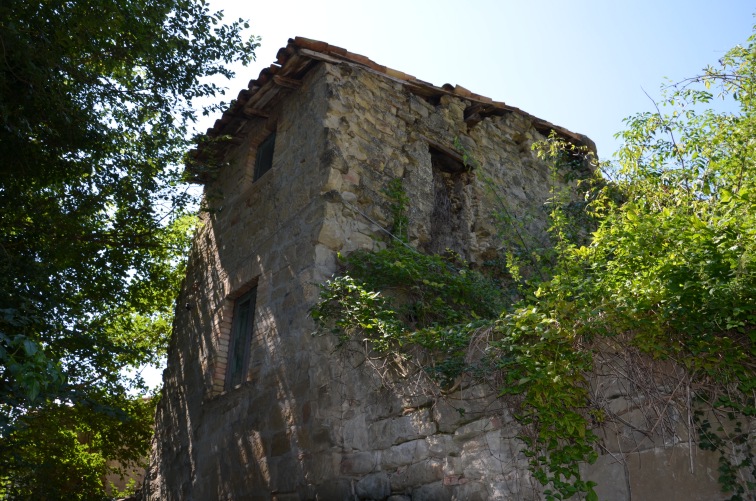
x,y
447,159
264,160
451,216
241,339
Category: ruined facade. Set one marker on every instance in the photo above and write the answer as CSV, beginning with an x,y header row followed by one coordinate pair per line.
x,y
254,406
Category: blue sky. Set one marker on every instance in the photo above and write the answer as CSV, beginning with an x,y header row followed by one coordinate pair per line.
x,y
579,64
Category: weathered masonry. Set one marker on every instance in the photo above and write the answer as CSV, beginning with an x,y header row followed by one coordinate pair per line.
x,y
256,408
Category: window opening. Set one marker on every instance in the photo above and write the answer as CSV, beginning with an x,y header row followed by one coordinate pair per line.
x,y
241,338
446,159
264,159
450,219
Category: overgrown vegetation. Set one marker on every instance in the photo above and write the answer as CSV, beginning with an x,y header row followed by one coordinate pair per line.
x,y
434,302
96,101
659,259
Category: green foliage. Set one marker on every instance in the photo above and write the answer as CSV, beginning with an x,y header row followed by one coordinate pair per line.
x,y
399,200
736,453
96,98
671,260
541,360
71,461
529,257
349,309
398,297
430,289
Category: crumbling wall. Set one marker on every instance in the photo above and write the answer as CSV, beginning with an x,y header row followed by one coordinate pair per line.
x,y
315,422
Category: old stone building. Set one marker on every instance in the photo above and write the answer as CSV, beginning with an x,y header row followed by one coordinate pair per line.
x,y
254,406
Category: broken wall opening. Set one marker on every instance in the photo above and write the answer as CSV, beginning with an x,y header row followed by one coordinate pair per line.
x,y
451,216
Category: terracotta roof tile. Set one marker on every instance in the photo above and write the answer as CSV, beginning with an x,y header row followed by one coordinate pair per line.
x,y
482,99
360,59
398,74
461,91
307,43
339,51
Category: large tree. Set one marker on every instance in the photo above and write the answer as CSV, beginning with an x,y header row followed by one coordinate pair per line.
x,y
97,98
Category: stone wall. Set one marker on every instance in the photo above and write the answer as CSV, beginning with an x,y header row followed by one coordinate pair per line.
x,y
314,422
211,444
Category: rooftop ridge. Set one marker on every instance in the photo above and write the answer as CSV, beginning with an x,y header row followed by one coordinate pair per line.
x,y
300,54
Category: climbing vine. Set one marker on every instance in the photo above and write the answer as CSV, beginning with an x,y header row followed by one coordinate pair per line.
x,y
398,300
399,297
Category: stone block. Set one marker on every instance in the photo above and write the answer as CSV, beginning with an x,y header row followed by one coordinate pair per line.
x,y
446,416
357,241
355,434
331,234
664,474
387,432
436,491
334,181
609,473
454,466
348,196
373,486
403,454
351,178
416,400
320,467
337,489
325,259
442,445
359,463
471,491
424,472
516,487
476,428
419,106
632,432
482,464
477,401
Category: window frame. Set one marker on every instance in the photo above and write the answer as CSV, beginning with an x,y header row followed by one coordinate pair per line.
x,y
240,339
264,156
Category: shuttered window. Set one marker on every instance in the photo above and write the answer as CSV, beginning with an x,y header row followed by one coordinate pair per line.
x,y
264,158
241,338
